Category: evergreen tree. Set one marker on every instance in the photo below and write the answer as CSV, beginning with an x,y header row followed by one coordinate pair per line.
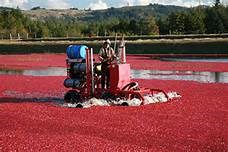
x,y
217,3
194,22
163,26
176,23
148,26
213,21
223,13
152,28
133,27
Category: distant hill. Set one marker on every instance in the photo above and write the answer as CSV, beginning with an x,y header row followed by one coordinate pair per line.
x,y
5,8
40,14
133,12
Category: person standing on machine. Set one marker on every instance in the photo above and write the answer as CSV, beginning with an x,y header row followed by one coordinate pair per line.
x,y
106,56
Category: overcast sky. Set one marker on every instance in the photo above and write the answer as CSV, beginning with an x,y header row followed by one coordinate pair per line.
x,y
98,4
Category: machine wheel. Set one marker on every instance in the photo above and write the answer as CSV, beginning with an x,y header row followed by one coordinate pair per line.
x,y
72,97
125,104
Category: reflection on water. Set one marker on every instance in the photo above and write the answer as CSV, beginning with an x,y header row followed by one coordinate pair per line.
x,y
221,60
46,72
36,72
204,77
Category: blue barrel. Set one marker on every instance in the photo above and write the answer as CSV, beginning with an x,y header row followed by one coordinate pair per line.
x,y
76,51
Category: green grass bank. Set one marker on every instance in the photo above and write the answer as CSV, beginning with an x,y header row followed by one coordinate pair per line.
x,y
179,46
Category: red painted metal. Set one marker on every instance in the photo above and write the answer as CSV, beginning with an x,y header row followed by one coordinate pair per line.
x,y
119,76
88,72
120,82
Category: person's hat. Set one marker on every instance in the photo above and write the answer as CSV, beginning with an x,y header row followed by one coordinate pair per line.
x,y
107,41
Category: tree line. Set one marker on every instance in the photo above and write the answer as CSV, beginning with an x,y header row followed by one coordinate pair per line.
x,y
198,20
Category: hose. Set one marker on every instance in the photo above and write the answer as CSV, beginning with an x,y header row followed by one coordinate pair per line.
x,y
131,86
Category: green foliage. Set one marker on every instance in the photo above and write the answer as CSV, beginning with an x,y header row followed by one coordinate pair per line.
x,y
194,22
213,21
199,20
151,47
176,23
131,21
149,26
12,21
217,3
135,12
223,14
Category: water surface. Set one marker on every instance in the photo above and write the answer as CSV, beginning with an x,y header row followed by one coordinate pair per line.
x,y
220,60
204,77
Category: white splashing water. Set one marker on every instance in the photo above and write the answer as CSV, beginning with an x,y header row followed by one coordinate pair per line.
x,y
26,95
149,99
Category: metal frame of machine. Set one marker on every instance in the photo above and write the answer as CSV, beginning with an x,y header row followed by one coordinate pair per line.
x,y
89,84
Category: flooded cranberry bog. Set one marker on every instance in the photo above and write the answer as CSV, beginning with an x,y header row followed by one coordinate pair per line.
x,y
32,118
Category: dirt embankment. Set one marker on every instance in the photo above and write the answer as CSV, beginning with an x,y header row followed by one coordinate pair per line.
x,y
163,46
